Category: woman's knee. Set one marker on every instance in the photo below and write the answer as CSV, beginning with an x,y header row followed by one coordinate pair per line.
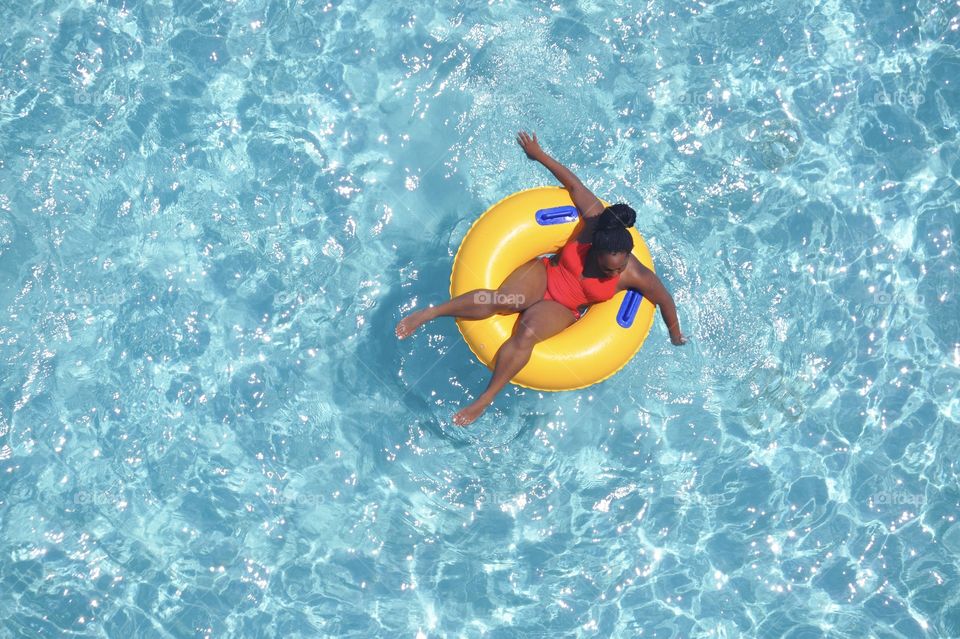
x,y
526,333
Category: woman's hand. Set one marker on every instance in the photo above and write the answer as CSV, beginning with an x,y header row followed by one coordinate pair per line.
x,y
530,146
678,340
585,201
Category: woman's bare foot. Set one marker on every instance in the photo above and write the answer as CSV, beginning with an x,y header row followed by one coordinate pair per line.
x,y
468,415
412,322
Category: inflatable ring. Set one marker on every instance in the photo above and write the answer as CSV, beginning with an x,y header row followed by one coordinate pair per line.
x,y
514,230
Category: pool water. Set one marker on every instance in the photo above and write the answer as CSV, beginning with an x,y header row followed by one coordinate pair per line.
x,y
212,215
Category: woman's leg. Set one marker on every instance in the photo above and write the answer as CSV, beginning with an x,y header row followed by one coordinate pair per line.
x,y
544,319
523,287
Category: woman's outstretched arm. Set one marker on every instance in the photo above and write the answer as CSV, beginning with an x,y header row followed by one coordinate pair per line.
x,y
646,281
669,312
586,202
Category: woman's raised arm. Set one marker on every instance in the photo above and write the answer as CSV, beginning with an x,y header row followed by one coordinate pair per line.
x,y
586,202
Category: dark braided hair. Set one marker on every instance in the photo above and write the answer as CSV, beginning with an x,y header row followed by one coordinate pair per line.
x,y
610,235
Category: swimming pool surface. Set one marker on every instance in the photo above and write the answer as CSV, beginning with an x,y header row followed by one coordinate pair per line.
x,y
212,215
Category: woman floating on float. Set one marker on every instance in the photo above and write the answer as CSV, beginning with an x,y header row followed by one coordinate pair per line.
x,y
600,262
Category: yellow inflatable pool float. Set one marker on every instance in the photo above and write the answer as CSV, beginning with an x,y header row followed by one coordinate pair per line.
x,y
516,229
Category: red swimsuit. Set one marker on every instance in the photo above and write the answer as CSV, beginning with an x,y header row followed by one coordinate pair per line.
x,y
564,283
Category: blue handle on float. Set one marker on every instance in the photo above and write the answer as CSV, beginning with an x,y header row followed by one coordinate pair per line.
x,y
557,215
628,308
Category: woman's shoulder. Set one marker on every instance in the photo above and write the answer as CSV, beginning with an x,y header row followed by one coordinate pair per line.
x,y
586,232
588,225
636,274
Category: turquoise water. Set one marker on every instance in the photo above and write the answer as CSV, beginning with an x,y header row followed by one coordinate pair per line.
x,y
212,215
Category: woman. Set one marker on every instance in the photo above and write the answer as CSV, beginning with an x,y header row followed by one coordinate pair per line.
x,y
551,293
